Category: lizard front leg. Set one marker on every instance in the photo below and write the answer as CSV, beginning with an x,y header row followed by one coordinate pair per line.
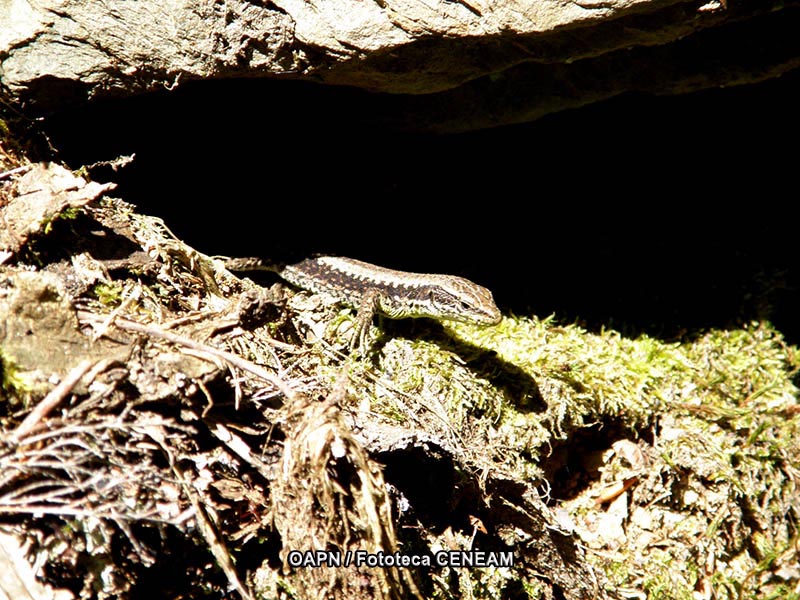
x,y
366,310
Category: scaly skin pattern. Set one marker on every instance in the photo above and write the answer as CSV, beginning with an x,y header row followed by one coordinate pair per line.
x,y
396,294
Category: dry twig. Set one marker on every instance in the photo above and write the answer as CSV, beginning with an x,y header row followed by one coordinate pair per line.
x,y
180,340
56,395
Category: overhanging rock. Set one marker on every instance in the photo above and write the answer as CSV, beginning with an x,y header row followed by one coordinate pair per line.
x,y
476,63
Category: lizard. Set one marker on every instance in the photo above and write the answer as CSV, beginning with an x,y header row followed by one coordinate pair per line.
x,y
373,289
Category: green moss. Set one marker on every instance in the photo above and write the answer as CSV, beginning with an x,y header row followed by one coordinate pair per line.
x,y
11,385
108,294
618,572
669,580
728,375
723,406
533,589
70,213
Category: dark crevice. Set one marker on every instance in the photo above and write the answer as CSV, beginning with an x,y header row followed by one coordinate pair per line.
x,y
645,214
573,465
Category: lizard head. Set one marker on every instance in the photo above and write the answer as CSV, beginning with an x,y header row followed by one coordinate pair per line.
x,y
458,299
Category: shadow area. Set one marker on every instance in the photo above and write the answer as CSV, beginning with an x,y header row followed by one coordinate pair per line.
x,y
518,387
618,215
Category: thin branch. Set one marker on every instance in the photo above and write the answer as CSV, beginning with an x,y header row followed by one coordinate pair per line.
x,y
92,512
56,395
103,328
238,446
10,172
237,361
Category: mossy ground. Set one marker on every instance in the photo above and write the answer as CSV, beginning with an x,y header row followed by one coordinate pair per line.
x,y
673,466
711,507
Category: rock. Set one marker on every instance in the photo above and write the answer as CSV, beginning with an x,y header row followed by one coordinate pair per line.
x,y
42,194
480,63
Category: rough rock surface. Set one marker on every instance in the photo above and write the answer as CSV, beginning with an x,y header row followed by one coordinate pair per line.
x,y
491,62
